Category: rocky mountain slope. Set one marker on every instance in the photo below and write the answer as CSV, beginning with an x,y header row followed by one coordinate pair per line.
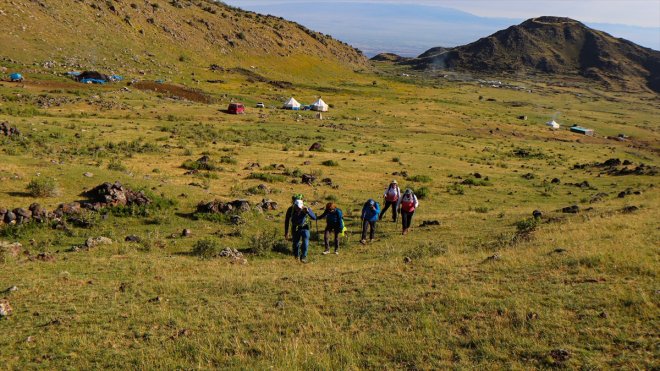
x,y
553,45
158,35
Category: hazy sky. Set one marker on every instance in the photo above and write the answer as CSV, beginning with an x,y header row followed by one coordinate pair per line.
x,y
629,12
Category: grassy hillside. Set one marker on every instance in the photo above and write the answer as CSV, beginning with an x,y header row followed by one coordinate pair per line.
x,y
486,288
162,38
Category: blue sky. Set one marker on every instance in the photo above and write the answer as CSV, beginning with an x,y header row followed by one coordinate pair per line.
x,y
411,27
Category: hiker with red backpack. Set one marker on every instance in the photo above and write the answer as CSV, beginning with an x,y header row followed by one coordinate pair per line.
x,y
407,205
392,195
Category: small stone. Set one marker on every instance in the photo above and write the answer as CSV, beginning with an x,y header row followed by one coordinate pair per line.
x,y
603,314
132,238
97,241
157,299
407,260
560,355
5,308
279,304
88,175
186,233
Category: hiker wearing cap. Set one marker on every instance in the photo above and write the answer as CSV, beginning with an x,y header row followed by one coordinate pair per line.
x,y
370,213
334,219
297,215
407,205
392,195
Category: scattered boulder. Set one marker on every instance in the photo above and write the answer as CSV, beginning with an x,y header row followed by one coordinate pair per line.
x,y
493,257
598,197
574,209
429,223
72,208
132,238
10,217
629,209
43,256
97,241
7,130
39,214
327,181
267,204
560,355
10,249
219,207
5,308
235,256
115,194
308,179
316,147
22,215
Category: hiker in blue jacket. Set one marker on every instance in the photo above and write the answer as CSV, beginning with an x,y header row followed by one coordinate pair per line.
x,y
334,223
297,215
370,214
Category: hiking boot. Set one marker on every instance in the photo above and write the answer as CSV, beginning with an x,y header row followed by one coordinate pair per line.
x,y
364,242
326,252
304,261
336,252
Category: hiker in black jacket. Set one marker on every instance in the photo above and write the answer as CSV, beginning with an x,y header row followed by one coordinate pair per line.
x,y
297,215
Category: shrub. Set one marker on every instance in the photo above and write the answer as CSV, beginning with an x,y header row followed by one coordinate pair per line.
x,y
481,209
228,160
42,187
476,182
196,165
422,192
419,178
330,163
266,177
456,189
116,166
527,225
264,242
396,159
206,248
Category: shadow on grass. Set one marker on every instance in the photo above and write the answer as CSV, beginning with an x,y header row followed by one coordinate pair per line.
x,y
19,194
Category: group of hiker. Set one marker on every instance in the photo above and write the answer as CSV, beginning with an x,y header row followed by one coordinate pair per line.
x,y
298,216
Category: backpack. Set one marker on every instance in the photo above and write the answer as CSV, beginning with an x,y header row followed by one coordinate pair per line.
x,y
392,195
408,203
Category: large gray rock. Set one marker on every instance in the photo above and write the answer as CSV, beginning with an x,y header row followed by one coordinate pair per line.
x,y
97,241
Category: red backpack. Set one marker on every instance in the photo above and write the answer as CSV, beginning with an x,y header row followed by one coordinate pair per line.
x,y
392,195
408,203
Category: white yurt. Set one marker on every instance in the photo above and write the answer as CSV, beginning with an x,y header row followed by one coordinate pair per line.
x,y
292,104
553,125
320,106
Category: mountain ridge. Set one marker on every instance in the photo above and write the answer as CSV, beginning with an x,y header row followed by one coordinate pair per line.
x,y
552,45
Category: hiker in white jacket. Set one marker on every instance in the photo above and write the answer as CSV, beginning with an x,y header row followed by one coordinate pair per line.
x,y
407,205
392,196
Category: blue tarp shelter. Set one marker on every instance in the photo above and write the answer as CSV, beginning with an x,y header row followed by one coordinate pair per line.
x,y
16,77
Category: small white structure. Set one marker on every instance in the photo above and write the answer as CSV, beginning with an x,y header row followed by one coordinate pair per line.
x,y
292,104
320,106
553,125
